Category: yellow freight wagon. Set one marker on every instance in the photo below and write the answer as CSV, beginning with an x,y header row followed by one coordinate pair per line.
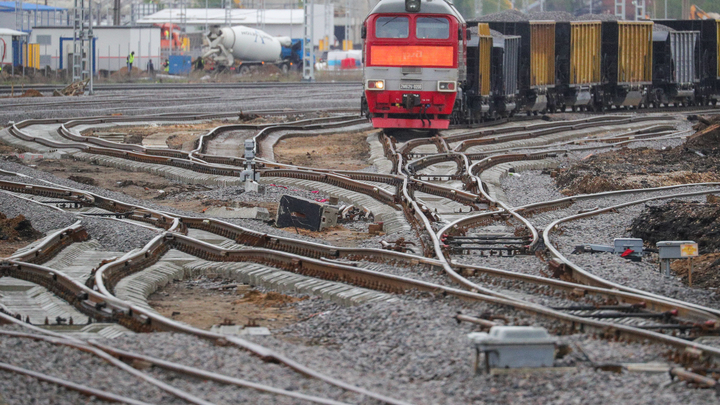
x,y
542,53
585,52
485,43
635,52
627,62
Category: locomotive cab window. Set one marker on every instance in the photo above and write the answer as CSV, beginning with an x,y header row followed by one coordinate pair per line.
x,y
392,27
432,28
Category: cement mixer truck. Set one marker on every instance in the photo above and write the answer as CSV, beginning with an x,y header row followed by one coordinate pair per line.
x,y
244,48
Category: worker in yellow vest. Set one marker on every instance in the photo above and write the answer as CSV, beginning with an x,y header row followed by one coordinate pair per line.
x,y
130,60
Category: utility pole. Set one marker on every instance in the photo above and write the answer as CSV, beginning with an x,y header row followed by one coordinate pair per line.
x,y
116,13
309,41
83,57
478,8
261,15
328,34
347,44
228,12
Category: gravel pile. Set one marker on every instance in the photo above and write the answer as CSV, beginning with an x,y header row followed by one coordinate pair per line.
x,y
660,27
503,16
596,17
551,16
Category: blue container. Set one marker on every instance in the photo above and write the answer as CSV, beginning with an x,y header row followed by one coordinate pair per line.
x,y
180,64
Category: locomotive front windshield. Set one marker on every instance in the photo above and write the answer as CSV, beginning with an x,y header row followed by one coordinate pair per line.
x,y
392,27
432,28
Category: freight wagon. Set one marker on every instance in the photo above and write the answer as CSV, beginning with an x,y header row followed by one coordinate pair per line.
x,y
420,75
707,87
536,70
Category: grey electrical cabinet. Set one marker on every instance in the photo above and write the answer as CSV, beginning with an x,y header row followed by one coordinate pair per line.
x,y
515,347
677,249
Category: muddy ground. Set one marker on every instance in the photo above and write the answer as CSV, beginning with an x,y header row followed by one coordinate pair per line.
x,y
695,161
206,301
15,233
682,220
144,186
336,151
181,136
639,168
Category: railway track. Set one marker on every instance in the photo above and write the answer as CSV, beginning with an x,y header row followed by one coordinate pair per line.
x,y
420,182
179,86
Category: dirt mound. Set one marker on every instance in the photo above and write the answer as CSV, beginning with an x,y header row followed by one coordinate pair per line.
x,y
345,151
707,137
697,161
705,273
17,228
32,93
639,168
680,220
83,180
270,299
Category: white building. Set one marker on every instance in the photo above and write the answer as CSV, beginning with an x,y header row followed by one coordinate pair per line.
x,y
112,46
6,45
23,16
277,22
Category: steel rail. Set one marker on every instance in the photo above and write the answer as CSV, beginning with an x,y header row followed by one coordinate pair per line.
x,y
202,145
405,189
529,209
207,375
185,86
77,344
558,147
422,162
464,145
459,279
142,214
172,366
69,385
290,245
398,282
52,244
408,146
141,320
309,249
64,130
583,276
171,158
157,245
104,100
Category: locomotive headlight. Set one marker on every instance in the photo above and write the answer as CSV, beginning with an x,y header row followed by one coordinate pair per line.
x,y
375,85
412,6
447,86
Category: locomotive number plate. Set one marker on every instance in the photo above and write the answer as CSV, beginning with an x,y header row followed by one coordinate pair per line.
x,y
411,87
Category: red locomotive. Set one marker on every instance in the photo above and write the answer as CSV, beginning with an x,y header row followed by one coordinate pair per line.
x,y
414,53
